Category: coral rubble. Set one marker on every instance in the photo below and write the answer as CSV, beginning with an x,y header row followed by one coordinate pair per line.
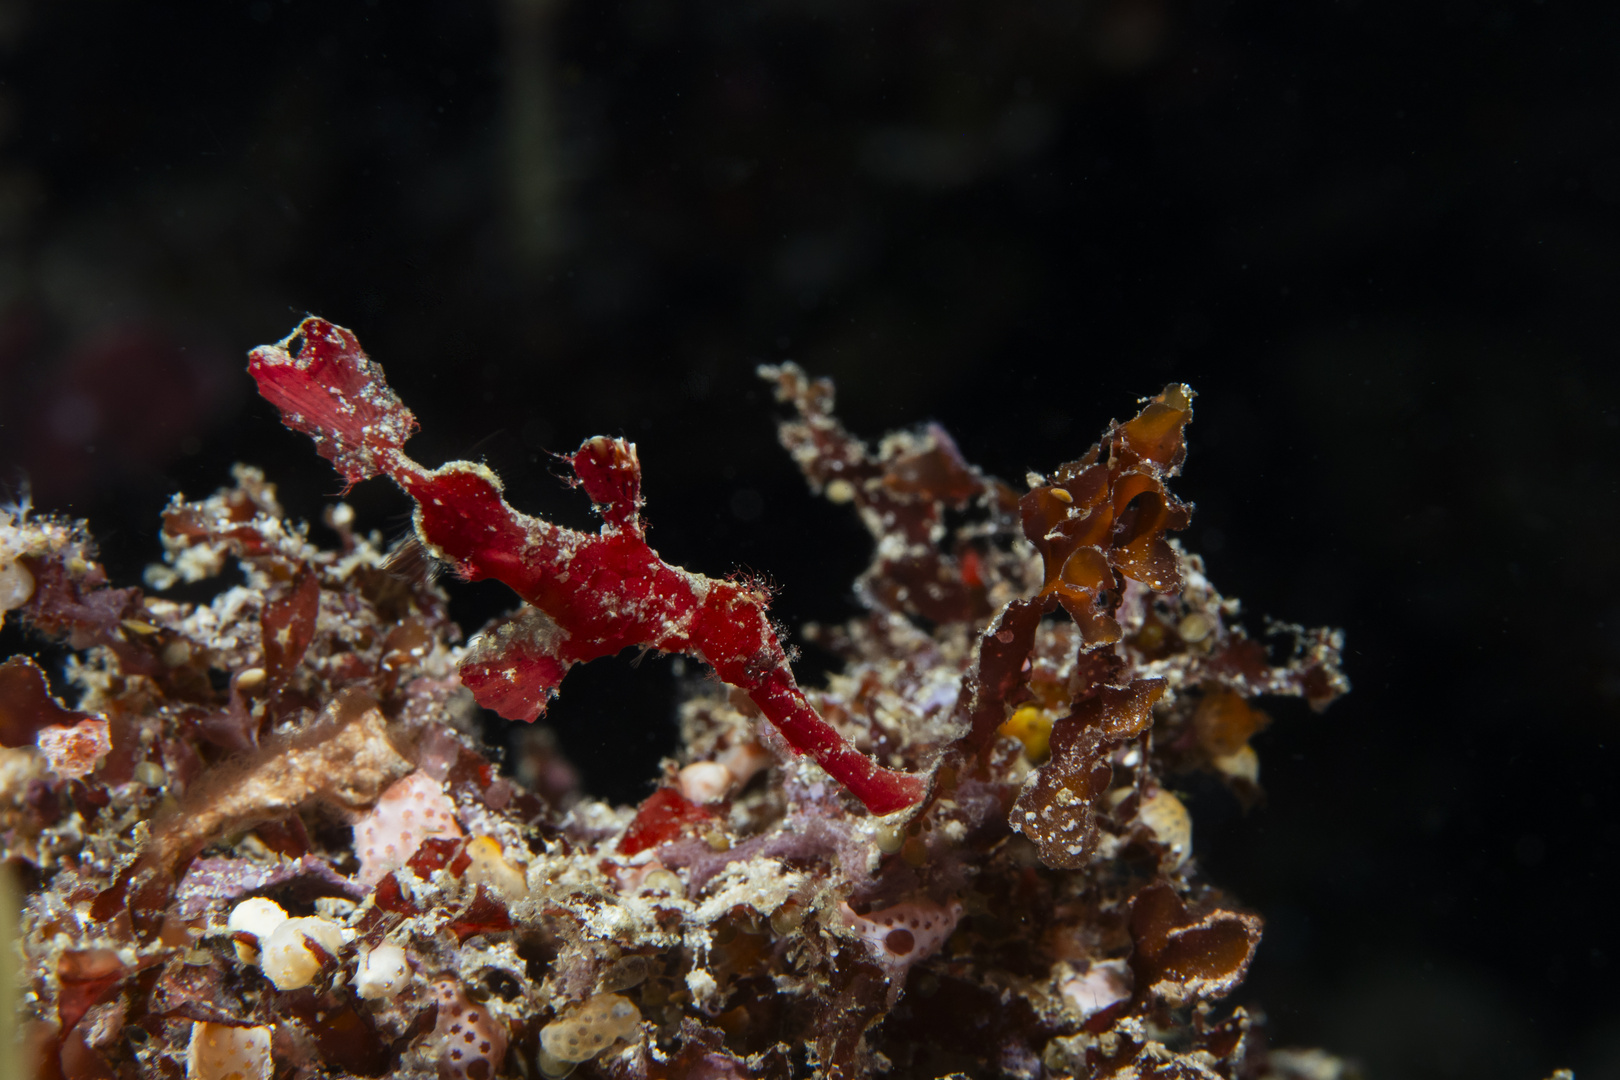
x,y
266,839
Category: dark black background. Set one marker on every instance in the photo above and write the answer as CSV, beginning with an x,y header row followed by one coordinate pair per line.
x,y
1379,240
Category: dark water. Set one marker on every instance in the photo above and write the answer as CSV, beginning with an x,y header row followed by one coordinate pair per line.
x,y
1379,240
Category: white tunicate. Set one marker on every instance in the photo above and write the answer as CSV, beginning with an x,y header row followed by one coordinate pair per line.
x,y
1241,764
287,960
222,1052
1195,627
839,491
1105,985
702,984
256,916
16,585
382,972
591,1028
468,1042
492,868
1170,824
663,881
704,782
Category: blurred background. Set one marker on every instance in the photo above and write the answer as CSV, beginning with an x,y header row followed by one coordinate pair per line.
x,y
1379,239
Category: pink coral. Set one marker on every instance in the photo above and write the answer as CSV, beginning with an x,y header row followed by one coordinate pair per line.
x,y
905,933
468,1043
76,751
412,810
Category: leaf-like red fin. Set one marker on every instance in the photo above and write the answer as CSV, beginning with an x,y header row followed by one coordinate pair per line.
x,y
332,392
514,667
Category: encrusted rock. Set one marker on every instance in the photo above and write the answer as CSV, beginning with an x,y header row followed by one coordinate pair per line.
x,y
268,841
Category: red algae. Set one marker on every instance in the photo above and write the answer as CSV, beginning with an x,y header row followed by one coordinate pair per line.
x,y
962,855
